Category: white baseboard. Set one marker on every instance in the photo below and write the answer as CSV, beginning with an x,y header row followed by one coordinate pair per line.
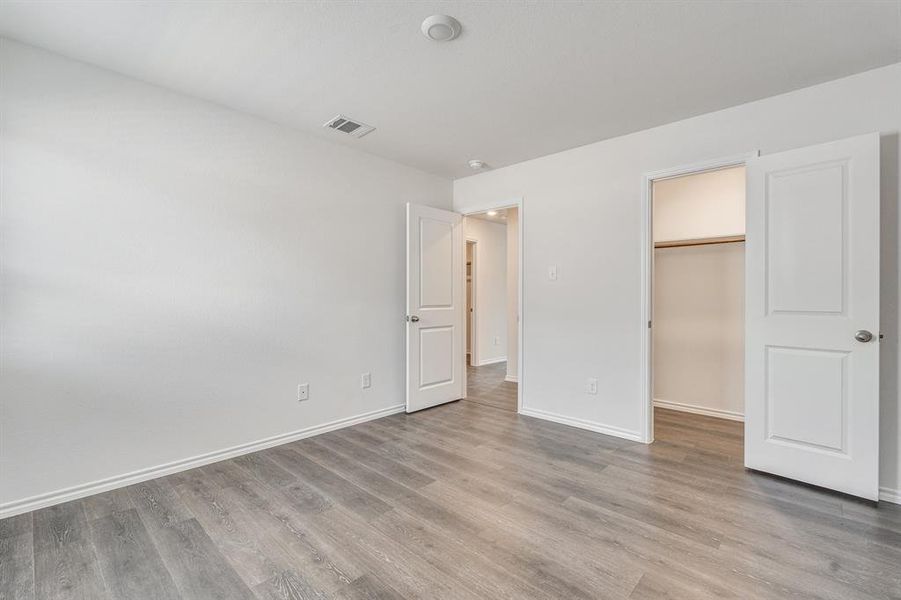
x,y
700,410
635,436
492,361
511,378
10,509
890,495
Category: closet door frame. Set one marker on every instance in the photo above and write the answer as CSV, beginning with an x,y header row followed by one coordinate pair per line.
x,y
647,273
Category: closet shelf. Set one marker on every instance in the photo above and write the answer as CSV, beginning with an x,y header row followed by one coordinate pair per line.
x,y
726,239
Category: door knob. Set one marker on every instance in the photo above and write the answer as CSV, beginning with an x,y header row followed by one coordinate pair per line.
x,y
414,319
863,336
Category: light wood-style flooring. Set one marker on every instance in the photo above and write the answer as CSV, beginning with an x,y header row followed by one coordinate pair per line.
x,y
486,386
464,501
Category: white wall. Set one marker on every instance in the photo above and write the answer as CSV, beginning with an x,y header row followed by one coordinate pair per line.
x,y
512,294
172,270
699,206
699,353
491,289
584,215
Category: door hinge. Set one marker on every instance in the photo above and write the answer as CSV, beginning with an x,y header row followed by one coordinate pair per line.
x,y
649,324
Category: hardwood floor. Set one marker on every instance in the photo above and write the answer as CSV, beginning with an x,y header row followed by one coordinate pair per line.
x,y
464,501
486,385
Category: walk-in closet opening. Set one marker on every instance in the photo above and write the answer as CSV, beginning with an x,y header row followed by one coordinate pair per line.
x,y
698,224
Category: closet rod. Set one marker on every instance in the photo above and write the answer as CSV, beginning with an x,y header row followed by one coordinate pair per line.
x,y
727,239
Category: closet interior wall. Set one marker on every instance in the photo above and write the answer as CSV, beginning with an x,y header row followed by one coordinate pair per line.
x,y
698,334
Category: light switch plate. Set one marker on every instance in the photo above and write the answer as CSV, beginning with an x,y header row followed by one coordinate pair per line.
x,y
303,392
366,380
552,273
592,386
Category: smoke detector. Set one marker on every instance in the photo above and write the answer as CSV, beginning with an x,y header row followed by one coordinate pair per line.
x,y
441,28
477,165
349,126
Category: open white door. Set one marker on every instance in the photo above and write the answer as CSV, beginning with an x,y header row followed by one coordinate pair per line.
x,y
435,307
812,315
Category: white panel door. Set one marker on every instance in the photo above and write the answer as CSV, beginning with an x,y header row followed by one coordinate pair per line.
x,y
435,307
812,315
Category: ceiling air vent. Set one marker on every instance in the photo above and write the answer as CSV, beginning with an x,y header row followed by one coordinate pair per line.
x,y
349,126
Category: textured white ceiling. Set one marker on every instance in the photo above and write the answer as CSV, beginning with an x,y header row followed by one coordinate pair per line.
x,y
523,80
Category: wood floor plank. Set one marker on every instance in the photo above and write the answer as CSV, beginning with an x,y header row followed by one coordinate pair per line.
x,y
129,562
158,504
400,568
197,567
501,568
17,525
287,585
65,565
232,534
515,481
381,486
329,483
516,548
485,489
464,564
344,442
368,587
102,505
322,565
654,586
676,557
17,561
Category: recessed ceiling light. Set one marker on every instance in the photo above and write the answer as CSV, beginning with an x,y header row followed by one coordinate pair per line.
x,y
441,28
492,213
477,164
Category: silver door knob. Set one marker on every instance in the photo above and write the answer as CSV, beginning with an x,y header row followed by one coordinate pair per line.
x,y
863,336
414,319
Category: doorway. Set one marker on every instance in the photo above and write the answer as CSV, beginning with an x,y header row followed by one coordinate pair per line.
x,y
693,249
436,319
697,341
492,290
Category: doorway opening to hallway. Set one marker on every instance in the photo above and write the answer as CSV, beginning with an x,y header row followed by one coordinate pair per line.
x,y
492,307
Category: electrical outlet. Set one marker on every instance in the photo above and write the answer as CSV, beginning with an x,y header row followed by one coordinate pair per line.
x,y
497,340
552,273
592,387
303,392
366,380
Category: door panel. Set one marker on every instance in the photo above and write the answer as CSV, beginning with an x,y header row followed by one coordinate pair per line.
x,y
812,253
436,265
435,307
806,271
806,397
436,351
